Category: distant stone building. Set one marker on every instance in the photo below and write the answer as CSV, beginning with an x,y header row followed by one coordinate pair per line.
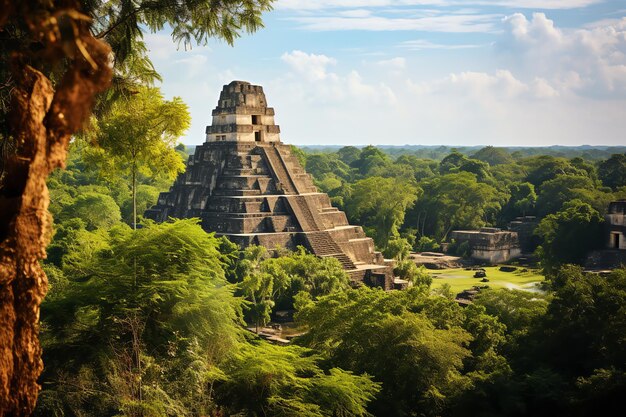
x,y
244,183
614,254
616,224
490,244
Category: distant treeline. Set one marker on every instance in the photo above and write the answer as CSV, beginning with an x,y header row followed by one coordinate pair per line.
x,y
438,152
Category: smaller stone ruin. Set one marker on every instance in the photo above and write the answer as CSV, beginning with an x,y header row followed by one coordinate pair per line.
x,y
489,244
614,254
616,223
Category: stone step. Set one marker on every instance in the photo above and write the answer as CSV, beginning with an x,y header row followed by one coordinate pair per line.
x,y
345,261
225,192
231,172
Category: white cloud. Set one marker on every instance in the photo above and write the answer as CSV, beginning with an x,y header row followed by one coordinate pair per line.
x,y
420,44
481,86
355,13
311,66
590,61
541,89
503,83
539,31
451,23
311,81
396,64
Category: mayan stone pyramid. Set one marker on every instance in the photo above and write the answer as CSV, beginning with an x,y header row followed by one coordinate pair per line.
x,y
244,183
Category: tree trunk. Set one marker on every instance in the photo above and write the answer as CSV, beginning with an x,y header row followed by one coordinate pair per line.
x,y
41,122
134,191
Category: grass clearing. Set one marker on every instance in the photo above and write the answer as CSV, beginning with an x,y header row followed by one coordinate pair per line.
x,y
460,279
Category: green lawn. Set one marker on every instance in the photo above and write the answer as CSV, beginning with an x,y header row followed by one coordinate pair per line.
x,y
460,279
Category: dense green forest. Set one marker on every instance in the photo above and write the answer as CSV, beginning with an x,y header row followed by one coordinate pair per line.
x,y
150,322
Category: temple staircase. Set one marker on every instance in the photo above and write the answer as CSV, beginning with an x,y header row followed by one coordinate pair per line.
x,y
278,167
323,245
320,241
308,220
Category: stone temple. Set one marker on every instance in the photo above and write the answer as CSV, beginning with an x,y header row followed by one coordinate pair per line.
x,y
244,183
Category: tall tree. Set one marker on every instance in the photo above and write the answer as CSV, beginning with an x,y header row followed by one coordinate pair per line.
x,y
381,203
454,200
563,188
493,156
138,136
371,159
51,68
612,172
569,234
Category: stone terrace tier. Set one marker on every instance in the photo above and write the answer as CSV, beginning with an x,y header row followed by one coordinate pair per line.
x,y
256,192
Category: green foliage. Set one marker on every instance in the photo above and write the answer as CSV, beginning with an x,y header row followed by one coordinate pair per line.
x,y
94,209
522,201
349,154
564,188
269,282
519,311
329,183
418,276
397,248
396,337
586,314
459,192
544,168
146,323
371,161
612,172
320,164
381,203
427,244
421,168
137,137
268,380
299,153
569,235
580,341
478,168
493,156
126,311
454,201
461,249
452,163
147,196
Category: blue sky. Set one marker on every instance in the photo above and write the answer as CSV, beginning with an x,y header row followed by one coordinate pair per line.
x,y
431,72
